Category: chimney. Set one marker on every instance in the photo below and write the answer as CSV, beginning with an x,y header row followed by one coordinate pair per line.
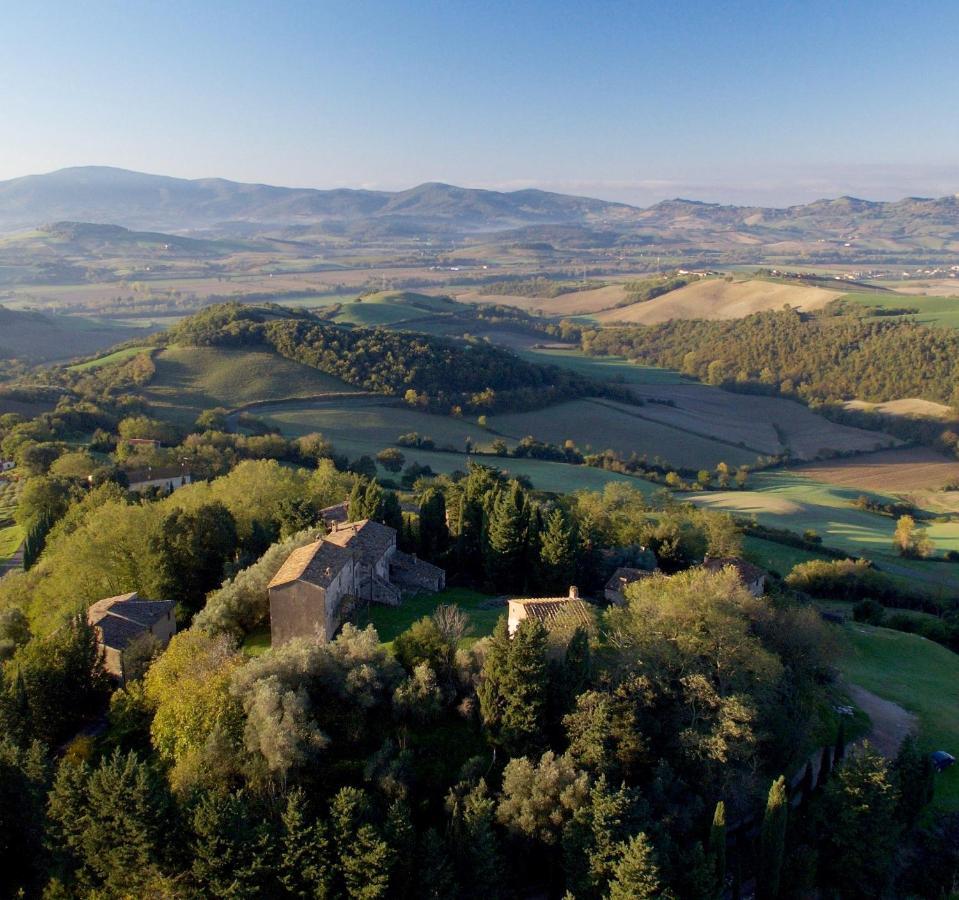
x,y
574,592
414,557
336,525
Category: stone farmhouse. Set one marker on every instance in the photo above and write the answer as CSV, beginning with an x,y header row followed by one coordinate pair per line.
x,y
120,621
550,611
320,585
752,577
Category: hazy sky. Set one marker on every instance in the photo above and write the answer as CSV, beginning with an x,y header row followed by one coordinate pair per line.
x,y
772,102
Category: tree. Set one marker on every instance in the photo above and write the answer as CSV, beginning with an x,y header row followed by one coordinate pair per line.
x,y
475,842
356,509
305,868
635,875
860,804
91,808
23,784
364,858
391,459
192,547
434,533
717,848
525,689
557,552
538,799
914,777
508,523
910,539
392,514
772,841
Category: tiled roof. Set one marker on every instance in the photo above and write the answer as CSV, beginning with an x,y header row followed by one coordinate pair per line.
x,y
401,560
338,512
369,540
624,576
556,610
122,618
746,570
318,563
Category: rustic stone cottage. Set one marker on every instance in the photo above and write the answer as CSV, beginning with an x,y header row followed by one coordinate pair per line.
x,y
122,620
752,577
318,587
550,611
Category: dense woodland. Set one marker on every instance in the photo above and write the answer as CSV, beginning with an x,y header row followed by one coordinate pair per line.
x,y
436,373
815,358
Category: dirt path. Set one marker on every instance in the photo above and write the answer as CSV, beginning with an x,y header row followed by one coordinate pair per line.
x,y
890,722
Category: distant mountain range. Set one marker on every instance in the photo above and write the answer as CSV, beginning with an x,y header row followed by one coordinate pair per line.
x,y
134,200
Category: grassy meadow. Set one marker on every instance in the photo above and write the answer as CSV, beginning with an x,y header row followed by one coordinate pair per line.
x,y
920,676
191,379
940,311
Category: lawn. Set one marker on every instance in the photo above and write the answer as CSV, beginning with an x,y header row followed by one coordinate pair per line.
x,y
391,621
920,676
776,557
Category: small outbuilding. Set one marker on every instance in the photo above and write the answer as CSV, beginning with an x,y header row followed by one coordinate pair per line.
x,y
551,612
125,619
752,577
621,579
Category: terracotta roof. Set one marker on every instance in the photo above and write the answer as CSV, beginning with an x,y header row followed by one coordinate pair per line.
x,y
556,610
318,563
369,540
624,576
746,570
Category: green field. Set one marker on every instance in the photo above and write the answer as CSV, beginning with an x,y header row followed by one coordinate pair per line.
x,y
603,368
783,500
776,557
932,310
920,676
391,621
598,425
191,379
365,427
109,360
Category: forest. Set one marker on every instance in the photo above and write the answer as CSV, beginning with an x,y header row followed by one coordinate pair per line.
x,y
822,359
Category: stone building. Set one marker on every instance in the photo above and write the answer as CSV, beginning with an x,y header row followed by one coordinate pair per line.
x,y
620,579
752,577
121,621
550,611
319,586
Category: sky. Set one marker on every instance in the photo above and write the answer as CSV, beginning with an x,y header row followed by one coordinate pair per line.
x,y
773,102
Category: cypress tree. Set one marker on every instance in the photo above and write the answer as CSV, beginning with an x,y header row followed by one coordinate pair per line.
x,y
304,867
825,766
373,501
436,878
357,506
525,689
434,532
507,538
558,553
772,841
392,513
717,847
636,875
490,690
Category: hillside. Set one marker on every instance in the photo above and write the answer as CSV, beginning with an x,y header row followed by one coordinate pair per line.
x,y
716,298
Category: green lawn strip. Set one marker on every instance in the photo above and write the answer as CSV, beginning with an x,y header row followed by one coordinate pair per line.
x,y
108,360
932,310
603,368
257,642
391,621
776,557
11,537
920,676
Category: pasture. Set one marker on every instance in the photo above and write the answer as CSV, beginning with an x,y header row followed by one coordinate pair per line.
x,y
191,379
596,425
716,298
575,303
364,427
110,359
920,676
789,500
936,311
901,471
767,425
603,368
